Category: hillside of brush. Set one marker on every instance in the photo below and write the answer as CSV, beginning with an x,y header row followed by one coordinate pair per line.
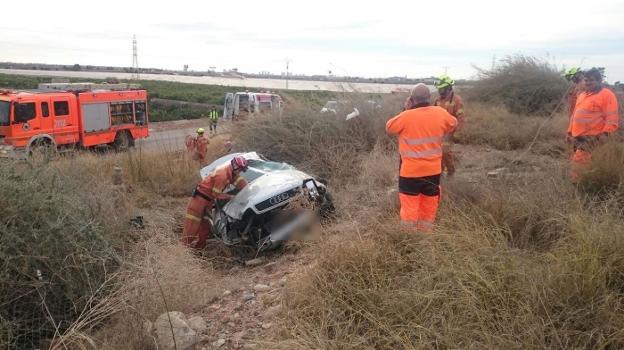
x,y
520,258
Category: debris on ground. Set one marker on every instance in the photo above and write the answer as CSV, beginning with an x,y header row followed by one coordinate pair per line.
x,y
173,332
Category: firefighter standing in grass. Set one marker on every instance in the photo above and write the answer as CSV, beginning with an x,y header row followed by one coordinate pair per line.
x,y
595,118
196,223
214,118
198,146
421,130
453,104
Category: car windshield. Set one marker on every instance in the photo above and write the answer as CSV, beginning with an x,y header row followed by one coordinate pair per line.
x,y
5,108
259,167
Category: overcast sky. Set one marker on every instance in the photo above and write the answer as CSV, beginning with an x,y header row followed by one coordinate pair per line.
x,y
365,38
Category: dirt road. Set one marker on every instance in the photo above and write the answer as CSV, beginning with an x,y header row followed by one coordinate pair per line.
x,y
169,136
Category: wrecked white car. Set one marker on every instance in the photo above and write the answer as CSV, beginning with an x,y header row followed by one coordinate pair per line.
x,y
278,202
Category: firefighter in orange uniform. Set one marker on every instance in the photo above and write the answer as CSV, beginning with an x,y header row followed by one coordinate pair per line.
x,y
211,188
595,118
453,104
201,147
421,130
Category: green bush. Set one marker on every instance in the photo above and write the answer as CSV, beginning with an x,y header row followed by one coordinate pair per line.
x,y
525,85
58,234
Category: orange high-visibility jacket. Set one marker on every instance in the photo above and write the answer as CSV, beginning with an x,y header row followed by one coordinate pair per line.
x,y
201,144
594,114
421,132
215,184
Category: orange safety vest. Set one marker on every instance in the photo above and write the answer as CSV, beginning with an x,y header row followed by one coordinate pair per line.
x,y
214,185
421,131
594,114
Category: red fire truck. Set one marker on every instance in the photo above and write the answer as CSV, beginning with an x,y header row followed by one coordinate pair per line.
x,y
66,116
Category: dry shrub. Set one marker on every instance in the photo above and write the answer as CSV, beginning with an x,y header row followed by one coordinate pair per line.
x,y
497,127
463,287
525,85
162,172
325,144
159,276
61,235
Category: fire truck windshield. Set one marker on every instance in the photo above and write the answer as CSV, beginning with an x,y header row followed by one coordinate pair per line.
x,y
5,107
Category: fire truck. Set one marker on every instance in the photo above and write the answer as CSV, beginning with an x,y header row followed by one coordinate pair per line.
x,y
68,116
242,104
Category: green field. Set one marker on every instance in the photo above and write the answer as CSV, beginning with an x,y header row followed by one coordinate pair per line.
x,y
208,94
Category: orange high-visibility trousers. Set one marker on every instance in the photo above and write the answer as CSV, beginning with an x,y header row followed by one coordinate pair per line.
x,y
418,211
196,226
580,161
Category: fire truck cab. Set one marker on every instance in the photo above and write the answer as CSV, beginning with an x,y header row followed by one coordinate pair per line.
x,y
66,119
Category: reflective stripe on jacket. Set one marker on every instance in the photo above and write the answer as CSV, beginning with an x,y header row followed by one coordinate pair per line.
x,y
421,131
595,114
215,184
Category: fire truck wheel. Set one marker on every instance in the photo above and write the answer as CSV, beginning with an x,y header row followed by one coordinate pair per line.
x,y
42,149
123,141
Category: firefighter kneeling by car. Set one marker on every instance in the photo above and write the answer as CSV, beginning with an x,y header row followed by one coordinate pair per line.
x,y
212,188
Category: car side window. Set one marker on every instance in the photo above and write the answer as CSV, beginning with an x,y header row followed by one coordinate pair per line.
x,y
24,112
61,108
45,110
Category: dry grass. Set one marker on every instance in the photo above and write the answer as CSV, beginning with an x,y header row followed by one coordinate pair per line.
x,y
517,262
165,173
498,128
466,286
521,261
605,176
159,276
527,209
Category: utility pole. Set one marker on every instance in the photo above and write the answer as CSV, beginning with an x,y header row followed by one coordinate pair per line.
x,y
135,60
445,70
287,71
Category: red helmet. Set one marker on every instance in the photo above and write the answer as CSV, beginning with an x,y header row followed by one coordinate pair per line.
x,y
239,163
